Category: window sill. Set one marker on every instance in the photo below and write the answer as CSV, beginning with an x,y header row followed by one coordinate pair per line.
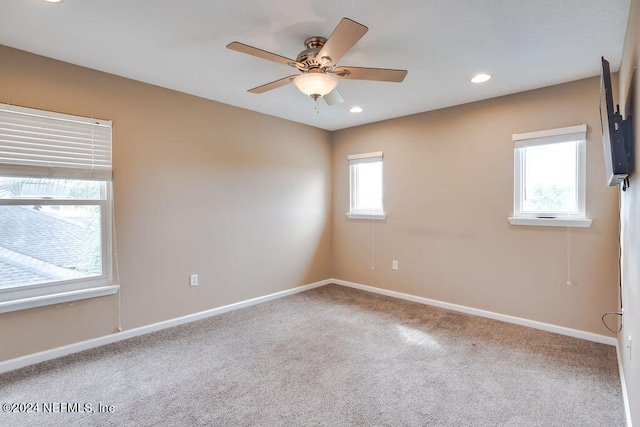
x,y
59,298
367,215
551,222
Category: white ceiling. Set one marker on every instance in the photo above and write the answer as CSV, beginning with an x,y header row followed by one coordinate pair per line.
x,y
524,44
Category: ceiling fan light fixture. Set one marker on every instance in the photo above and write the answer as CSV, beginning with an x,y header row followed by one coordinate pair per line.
x,y
315,84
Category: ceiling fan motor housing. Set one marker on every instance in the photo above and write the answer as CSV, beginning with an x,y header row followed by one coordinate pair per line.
x,y
308,57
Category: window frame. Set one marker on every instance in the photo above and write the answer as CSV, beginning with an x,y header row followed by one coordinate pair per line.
x,y
15,162
354,211
550,218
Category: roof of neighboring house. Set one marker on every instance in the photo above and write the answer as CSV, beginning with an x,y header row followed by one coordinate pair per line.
x,y
37,246
11,275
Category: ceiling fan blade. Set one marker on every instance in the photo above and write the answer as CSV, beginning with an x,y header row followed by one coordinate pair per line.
x,y
378,74
346,34
334,97
273,85
250,50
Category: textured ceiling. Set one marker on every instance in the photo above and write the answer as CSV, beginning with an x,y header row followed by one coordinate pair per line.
x,y
524,44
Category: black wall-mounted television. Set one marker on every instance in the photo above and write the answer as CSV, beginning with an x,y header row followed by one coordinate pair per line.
x,y
617,133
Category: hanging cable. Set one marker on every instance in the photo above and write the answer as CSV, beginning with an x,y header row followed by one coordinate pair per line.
x,y
115,259
569,283
612,313
618,313
620,246
373,244
524,171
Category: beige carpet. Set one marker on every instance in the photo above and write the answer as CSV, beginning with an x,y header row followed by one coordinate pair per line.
x,y
332,356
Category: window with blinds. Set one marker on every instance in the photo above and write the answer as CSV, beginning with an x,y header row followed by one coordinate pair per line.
x,y
55,207
550,171
365,185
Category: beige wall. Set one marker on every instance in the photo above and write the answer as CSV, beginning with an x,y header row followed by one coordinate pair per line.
x,y
240,198
245,200
630,221
448,190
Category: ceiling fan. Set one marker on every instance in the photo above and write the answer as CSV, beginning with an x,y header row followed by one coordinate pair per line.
x,y
318,64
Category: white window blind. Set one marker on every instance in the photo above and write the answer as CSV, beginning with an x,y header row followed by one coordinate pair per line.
x,y
365,157
43,144
551,136
550,177
365,182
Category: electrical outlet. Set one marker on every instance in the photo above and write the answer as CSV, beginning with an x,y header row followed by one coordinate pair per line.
x,y
394,264
193,280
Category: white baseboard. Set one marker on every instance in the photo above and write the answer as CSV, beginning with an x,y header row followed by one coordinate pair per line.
x,y
623,386
589,336
30,359
20,362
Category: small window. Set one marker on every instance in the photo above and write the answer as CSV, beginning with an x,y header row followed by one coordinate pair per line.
x,y
549,179
365,182
55,208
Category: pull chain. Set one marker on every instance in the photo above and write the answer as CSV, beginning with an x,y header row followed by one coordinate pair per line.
x,y
316,105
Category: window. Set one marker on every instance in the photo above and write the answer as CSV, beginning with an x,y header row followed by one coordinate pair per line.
x,y
549,184
55,208
365,183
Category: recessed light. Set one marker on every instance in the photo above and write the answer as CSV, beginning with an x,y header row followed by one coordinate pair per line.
x,y
53,1
481,78
356,109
